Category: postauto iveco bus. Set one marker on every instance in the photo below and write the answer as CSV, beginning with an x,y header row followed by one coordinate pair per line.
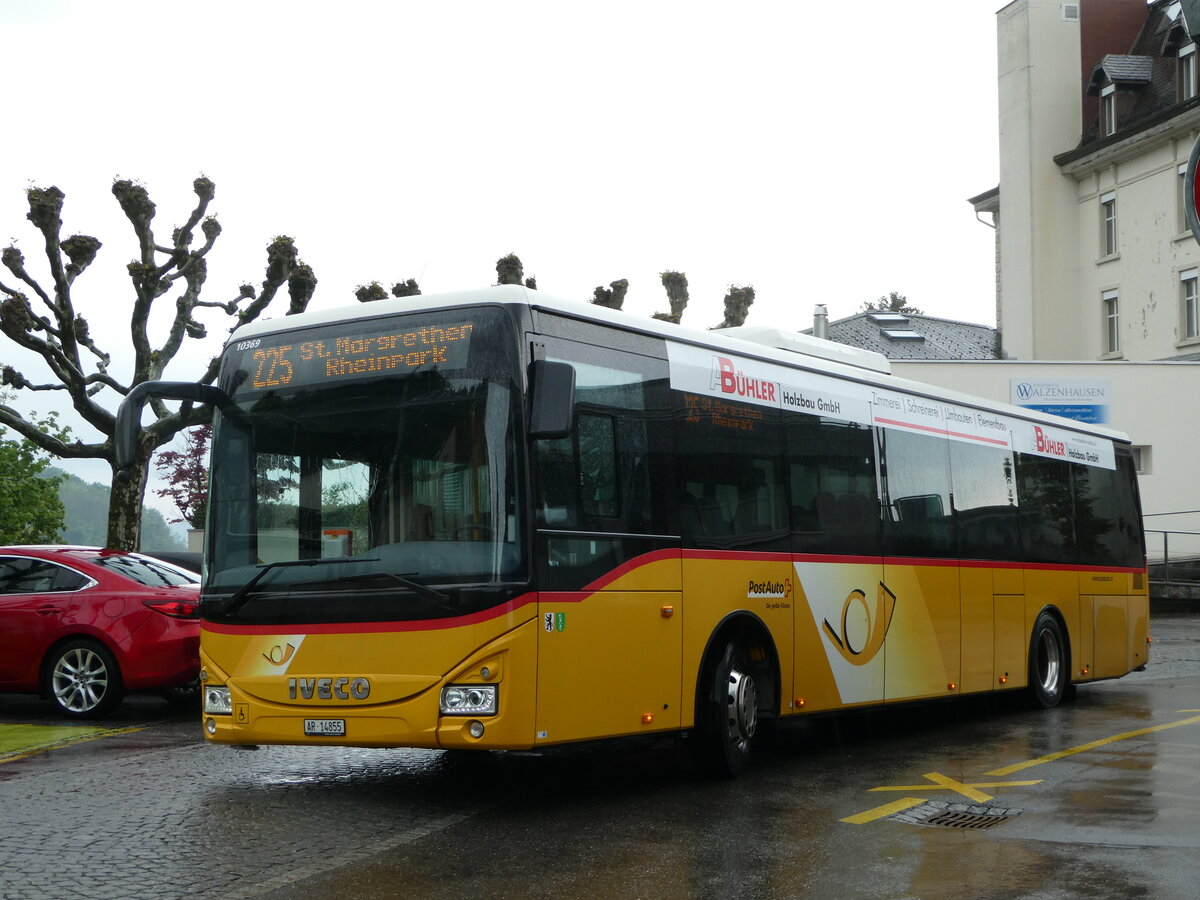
x,y
494,519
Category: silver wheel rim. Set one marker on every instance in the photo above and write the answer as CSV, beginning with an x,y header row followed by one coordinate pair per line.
x,y
741,709
79,680
1049,661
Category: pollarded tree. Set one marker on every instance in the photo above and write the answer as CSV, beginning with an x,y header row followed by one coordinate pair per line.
x,y
510,271
676,284
737,305
612,296
79,369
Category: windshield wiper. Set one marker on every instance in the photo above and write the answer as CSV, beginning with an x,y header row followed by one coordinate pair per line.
x,y
241,596
421,590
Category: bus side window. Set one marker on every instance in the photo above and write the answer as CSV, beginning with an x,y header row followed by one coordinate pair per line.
x,y
558,480
1104,531
917,487
729,490
598,479
1047,517
985,501
834,497
597,465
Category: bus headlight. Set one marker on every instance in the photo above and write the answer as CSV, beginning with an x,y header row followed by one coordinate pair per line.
x,y
469,700
217,700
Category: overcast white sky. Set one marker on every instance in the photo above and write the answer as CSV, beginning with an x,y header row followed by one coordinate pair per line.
x,y
821,152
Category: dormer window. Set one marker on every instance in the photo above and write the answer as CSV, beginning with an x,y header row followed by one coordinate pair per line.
x,y
1185,73
1119,80
1108,110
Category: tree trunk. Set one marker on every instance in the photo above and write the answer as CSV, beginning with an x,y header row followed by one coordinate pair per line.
x,y
125,507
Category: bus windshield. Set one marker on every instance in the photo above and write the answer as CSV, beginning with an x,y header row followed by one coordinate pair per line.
x,y
347,478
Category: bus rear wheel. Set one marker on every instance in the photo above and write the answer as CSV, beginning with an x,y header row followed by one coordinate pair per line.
x,y
1049,669
728,716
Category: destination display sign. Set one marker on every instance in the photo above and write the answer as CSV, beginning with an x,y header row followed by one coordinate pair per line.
x,y
346,351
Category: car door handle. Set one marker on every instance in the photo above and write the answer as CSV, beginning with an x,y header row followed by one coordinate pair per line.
x,y
47,610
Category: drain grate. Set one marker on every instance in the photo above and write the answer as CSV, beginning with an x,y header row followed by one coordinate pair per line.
x,y
938,814
966,820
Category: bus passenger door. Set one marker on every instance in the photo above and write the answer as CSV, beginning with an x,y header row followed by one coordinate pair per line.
x,y
608,655
843,606
924,654
986,518
607,567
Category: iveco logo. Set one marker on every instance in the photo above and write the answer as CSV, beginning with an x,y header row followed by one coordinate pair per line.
x,y
329,688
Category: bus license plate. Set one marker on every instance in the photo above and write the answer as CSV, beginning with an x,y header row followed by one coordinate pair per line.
x,y
324,727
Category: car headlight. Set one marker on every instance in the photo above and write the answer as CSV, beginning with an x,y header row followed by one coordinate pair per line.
x,y
217,700
469,700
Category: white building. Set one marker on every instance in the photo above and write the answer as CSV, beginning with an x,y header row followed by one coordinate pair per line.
x,y
1097,273
1098,114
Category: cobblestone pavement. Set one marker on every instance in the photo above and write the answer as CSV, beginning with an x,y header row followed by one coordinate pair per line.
x,y
157,813
191,820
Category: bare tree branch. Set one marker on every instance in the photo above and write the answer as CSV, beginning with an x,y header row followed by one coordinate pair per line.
x,y
179,268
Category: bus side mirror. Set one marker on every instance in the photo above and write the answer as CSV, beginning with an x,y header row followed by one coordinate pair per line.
x,y
129,414
552,409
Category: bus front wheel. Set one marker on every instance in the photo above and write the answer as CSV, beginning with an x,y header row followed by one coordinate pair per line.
x,y
1049,668
728,715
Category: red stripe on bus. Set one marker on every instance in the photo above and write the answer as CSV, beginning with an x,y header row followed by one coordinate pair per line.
x,y
628,566
632,565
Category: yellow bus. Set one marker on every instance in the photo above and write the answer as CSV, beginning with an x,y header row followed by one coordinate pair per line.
x,y
495,519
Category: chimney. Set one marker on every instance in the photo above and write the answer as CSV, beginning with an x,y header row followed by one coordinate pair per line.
x,y
1105,26
821,322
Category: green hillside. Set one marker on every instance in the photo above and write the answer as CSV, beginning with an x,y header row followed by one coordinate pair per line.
x,y
87,516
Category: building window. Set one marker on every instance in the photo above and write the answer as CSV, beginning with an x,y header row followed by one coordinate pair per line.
x,y
1185,72
1112,331
1190,294
1141,459
1108,110
1108,224
1181,196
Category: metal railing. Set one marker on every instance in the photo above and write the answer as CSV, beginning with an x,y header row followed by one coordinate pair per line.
x,y
1174,556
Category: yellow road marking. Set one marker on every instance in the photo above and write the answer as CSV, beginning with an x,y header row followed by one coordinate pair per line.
x,y
881,812
970,791
20,741
1092,745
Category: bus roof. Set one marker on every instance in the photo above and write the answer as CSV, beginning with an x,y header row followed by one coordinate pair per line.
x,y
770,344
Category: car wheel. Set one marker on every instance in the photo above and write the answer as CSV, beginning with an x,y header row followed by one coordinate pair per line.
x,y
1049,666
729,716
83,679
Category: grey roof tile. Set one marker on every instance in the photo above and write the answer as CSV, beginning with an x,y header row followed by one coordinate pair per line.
x,y
942,338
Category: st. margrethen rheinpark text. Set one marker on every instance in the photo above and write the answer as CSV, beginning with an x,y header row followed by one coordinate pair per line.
x,y
277,366
357,356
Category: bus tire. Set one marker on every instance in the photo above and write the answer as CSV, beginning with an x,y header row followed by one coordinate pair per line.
x,y
728,714
1049,665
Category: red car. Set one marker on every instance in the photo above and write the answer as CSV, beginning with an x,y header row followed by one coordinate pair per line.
x,y
83,626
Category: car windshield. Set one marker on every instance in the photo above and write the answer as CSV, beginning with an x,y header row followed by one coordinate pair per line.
x,y
362,484
150,572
